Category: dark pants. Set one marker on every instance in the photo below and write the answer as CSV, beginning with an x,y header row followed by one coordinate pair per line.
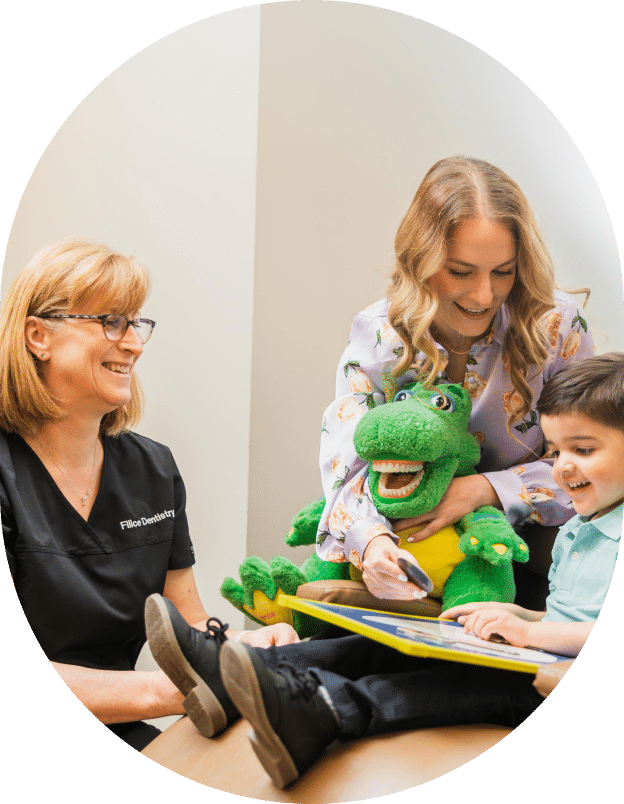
x,y
137,733
378,689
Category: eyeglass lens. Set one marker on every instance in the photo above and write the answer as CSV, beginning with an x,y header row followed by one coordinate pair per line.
x,y
115,327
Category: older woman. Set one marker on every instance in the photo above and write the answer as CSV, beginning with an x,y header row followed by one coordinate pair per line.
x,y
473,300
93,515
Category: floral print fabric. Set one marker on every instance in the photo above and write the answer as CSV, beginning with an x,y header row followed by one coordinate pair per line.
x,y
364,379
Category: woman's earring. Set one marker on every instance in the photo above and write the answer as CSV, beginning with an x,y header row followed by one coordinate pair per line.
x,y
44,356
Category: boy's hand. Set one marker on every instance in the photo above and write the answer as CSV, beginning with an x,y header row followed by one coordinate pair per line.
x,y
468,608
489,621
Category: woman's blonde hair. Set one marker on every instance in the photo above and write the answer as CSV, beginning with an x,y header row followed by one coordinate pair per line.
x,y
60,278
454,190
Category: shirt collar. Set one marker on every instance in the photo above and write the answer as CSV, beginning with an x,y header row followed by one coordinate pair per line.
x,y
501,325
610,525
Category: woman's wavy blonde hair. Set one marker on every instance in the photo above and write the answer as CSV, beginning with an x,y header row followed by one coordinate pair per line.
x,y
62,277
454,190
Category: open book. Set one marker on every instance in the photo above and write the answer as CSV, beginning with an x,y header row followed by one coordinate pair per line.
x,y
424,636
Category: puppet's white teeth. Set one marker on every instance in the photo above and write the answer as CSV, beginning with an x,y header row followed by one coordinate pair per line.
x,y
397,466
404,491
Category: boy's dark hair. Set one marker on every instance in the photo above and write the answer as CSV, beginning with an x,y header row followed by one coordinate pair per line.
x,y
594,388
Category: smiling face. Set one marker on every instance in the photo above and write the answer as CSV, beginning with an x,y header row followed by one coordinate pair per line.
x,y
475,280
87,372
589,461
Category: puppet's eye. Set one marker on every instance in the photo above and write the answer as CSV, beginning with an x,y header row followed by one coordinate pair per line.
x,y
442,402
401,396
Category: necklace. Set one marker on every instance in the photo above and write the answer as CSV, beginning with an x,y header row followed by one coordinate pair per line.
x,y
83,500
448,348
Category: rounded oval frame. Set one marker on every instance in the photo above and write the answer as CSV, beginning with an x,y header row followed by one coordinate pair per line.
x,y
535,748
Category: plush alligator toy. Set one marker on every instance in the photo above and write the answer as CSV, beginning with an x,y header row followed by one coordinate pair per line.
x,y
415,446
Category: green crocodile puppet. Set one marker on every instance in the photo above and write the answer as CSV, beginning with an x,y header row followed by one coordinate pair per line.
x,y
415,446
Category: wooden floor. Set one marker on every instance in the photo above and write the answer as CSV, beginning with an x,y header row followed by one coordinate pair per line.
x,y
348,771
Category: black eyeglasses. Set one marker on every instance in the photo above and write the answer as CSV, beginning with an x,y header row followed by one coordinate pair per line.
x,y
116,326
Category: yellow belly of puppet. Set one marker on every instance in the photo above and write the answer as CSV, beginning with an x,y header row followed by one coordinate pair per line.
x,y
438,555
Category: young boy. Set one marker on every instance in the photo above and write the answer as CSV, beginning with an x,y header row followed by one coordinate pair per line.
x,y
301,697
582,416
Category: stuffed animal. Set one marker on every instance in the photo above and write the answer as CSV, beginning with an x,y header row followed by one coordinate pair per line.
x,y
415,446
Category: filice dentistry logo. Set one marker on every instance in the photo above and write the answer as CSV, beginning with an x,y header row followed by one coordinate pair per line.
x,y
145,520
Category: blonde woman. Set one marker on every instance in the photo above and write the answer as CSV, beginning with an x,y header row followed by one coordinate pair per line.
x,y
473,300
93,515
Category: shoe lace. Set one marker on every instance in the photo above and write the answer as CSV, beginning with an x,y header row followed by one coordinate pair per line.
x,y
300,683
217,631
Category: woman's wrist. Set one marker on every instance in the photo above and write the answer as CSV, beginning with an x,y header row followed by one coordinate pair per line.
x,y
487,493
380,542
236,636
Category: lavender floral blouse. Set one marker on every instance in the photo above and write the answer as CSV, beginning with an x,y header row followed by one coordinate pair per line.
x,y
364,379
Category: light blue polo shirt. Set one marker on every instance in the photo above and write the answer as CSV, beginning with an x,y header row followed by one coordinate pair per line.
x,y
584,556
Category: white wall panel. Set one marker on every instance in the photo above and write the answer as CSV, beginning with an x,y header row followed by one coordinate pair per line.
x,y
159,160
356,103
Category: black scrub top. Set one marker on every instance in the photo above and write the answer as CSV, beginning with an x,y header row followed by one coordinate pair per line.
x,y
83,584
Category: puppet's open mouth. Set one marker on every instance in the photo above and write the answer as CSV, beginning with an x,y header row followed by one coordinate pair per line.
x,y
398,479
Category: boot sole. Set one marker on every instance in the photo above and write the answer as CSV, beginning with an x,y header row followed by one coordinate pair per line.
x,y
200,703
240,681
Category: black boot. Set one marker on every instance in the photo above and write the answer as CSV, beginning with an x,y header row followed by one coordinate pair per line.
x,y
191,660
291,713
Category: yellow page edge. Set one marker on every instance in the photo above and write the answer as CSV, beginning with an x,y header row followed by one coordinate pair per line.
x,y
402,643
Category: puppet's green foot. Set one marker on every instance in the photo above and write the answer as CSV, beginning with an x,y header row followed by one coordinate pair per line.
x,y
256,593
489,536
475,580
286,575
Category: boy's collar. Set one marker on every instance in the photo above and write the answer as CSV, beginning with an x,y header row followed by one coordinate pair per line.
x,y
609,524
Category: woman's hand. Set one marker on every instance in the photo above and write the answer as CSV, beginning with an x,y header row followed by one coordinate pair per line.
x,y
464,494
486,622
280,634
383,576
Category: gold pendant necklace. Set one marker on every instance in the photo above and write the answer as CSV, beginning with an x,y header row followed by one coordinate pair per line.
x,y
83,500
448,348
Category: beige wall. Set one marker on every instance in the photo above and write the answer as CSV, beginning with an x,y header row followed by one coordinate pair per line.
x,y
159,161
355,105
